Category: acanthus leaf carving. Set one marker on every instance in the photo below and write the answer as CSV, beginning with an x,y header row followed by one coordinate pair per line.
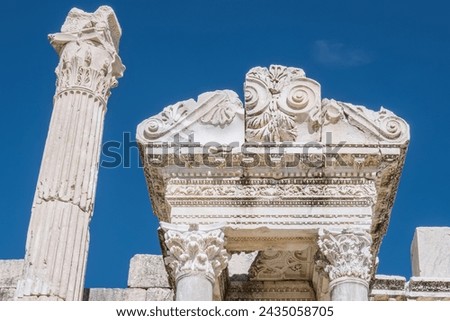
x,y
217,108
195,250
277,100
225,111
88,49
347,252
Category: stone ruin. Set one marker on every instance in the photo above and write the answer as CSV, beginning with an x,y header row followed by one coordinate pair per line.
x,y
285,196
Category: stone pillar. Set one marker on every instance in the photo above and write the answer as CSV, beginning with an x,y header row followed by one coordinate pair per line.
x,y
348,263
58,234
196,256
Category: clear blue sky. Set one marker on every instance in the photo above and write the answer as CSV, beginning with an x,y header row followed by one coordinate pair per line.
x,y
390,53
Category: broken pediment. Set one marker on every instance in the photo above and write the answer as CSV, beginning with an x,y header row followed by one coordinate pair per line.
x,y
215,116
282,105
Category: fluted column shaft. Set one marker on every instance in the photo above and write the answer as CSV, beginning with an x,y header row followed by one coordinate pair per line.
x,y
196,256
58,234
348,263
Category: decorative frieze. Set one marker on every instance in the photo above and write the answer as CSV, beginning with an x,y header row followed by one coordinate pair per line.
x,y
272,265
426,284
388,288
297,290
283,189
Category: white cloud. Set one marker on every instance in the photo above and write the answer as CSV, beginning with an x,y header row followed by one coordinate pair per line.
x,y
338,54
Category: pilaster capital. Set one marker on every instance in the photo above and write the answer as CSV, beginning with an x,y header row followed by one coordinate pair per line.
x,y
347,253
195,249
88,46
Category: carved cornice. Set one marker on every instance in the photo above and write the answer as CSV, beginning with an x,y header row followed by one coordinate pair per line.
x,y
157,191
88,48
283,190
277,99
195,250
347,252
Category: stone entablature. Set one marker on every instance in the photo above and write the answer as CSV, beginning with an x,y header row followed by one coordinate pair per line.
x,y
287,163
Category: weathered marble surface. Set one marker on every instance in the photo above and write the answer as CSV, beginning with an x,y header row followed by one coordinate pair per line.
x,y
240,263
428,289
388,288
7,294
194,288
293,290
10,272
349,289
160,294
89,66
147,271
101,294
430,252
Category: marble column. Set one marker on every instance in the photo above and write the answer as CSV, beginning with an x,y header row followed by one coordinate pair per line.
x,y
196,256
348,262
58,234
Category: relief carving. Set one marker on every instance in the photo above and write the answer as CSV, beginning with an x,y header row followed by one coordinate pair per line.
x,y
277,100
88,49
347,252
195,250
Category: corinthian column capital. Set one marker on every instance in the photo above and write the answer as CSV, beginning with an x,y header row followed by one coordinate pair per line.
x,y
195,250
88,46
348,254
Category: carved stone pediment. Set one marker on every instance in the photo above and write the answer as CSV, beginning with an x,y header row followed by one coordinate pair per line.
x,y
282,105
195,120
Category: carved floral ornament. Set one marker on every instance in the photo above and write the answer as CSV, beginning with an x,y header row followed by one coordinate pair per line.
x,y
279,190
281,265
384,124
347,252
88,47
195,250
217,108
276,100
282,105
